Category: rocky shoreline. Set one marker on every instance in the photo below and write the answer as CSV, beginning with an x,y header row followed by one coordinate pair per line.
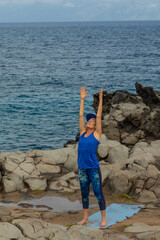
x,y
28,223
129,157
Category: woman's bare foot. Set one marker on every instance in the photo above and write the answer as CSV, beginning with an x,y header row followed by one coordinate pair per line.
x,y
85,220
103,223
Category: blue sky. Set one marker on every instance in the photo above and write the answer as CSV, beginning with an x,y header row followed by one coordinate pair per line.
x,y
78,10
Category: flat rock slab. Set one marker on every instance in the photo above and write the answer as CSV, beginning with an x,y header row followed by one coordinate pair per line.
x,y
88,233
140,227
123,237
4,238
48,215
34,228
8,230
148,235
4,211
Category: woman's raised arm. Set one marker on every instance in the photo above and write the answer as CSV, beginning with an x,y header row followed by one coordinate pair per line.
x,y
98,131
82,127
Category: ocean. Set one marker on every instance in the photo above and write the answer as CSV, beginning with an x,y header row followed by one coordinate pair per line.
x,y
44,65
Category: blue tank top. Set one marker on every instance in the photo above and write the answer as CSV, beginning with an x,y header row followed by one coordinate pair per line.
x,y
87,149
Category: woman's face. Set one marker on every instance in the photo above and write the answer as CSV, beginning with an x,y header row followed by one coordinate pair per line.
x,y
91,123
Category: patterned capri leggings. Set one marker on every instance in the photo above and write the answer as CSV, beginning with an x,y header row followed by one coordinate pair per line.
x,y
93,176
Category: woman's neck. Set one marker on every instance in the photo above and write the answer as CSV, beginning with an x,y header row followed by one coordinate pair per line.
x,y
89,131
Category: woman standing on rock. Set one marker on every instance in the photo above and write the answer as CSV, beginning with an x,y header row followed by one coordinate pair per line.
x,y
88,165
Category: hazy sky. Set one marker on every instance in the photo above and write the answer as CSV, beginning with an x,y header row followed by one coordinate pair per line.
x,y
78,10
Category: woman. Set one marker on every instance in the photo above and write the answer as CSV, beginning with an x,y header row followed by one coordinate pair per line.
x,y
88,165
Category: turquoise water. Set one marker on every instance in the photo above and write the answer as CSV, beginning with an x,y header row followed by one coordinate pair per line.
x,y
43,66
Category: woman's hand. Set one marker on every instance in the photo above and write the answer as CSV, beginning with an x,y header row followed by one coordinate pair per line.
x,y
101,94
83,93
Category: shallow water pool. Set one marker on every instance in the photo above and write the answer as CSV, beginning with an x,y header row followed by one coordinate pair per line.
x,y
54,203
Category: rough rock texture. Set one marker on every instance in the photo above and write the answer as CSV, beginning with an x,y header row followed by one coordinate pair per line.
x,y
137,176
40,170
133,171
39,183
146,187
118,182
12,183
36,229
127,117
150,97
8,230
144,231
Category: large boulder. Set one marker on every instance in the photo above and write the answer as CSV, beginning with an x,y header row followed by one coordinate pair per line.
x,y
145,156
71,162
32,171
28,166
56,157
58,185
13,182
103,147
118,182
11,161
105,171
63,157
47,168
128,118
150,97
67,183
146,196
9,165
39,183
118,154
67,176
145,187
16,157
112,151
20,165
155,144
132,138
156,187
34,153
103,150
139,162
111,128
74,184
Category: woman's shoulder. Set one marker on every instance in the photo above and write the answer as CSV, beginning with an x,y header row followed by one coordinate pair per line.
x,y
82,133
96,135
